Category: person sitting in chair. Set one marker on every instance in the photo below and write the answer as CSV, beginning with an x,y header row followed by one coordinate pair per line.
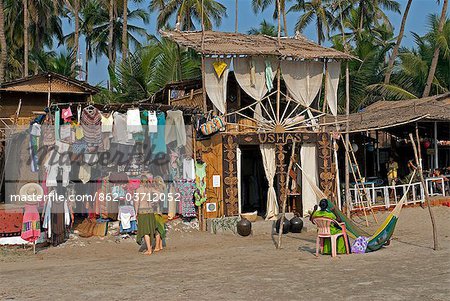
x,y
334,228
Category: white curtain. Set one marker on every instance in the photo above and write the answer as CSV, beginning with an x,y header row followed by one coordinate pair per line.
x,y
253,83
303,80
308,158
332,84
216,87
268,156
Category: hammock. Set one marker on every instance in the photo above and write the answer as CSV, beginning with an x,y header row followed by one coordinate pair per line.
x,y
382,235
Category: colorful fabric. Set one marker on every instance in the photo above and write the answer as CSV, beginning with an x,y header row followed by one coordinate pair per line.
x,y
10,222
334,229
67,114
360,245
186,190
200,183
91,120
219,67
31,225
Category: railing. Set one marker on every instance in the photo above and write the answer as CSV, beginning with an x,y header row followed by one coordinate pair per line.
x,y
387,196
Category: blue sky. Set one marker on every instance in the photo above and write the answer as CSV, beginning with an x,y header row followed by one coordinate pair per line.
x,y
417,22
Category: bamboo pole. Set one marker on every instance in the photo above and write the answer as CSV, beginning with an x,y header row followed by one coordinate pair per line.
x,y
283,212
427,197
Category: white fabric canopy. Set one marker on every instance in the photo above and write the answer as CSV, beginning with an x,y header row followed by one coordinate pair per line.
x,y
268,156
254,84
332,84
216,87
308,158
303,80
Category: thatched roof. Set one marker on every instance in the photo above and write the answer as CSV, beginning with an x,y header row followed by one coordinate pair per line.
x,y
40,84
390,114
225,43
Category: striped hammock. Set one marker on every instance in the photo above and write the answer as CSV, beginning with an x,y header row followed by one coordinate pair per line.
x,y
382,235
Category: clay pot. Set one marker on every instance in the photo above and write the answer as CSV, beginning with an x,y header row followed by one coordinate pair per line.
x,y
244,227
286,226
296,224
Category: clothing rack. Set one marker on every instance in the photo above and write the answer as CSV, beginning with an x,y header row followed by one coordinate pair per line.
x,y
125,106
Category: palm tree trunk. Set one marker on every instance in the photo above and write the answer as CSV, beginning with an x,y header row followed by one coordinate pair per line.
x,y
110,37
125,30
4,53
26,25
435,59
319,30
387,77
361,15
236,18
283,11
86,60
110,32
76,45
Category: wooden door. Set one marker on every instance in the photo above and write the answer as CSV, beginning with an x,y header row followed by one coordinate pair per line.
x,y
211,153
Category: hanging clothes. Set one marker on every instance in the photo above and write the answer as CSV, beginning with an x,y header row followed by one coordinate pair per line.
x,y
157,139
120,132
35,133
269,75
175,128
48,132
134,121
91,120
57,123
152,122
31,224
107,122
188,169
200,183
186,190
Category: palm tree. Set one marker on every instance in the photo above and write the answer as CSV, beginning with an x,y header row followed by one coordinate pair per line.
x,y
387,77
52,62
261,5
188,11
264,28
152,67
435,59
91,15
371,11
74,7
314,10
4,51
101,37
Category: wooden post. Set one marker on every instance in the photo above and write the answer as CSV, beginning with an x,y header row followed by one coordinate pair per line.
x,y
347,139
427,197
283,212
205,106
49,90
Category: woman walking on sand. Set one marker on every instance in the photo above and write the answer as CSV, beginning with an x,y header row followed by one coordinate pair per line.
x,y
147,224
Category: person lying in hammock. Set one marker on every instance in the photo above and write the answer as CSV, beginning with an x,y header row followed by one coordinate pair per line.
x,y
334,229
